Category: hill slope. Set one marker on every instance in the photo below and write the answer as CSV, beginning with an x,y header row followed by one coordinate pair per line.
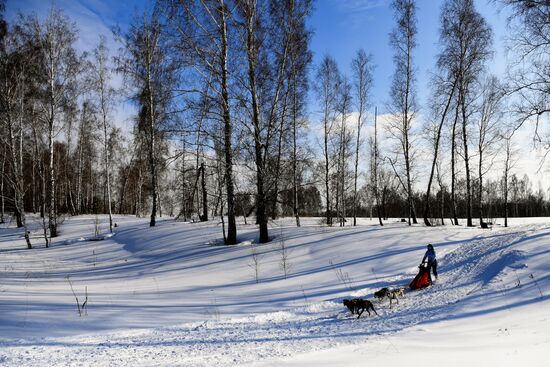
x,y
171,295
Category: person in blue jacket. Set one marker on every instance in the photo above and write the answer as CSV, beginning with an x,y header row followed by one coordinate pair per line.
x,y
431,260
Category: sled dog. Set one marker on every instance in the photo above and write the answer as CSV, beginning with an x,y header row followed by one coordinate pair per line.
x,y
359,305
395,294
381,293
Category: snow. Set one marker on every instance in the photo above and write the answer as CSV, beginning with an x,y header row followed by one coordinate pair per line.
x,y
173,296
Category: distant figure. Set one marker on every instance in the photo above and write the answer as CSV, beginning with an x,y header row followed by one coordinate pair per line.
x,y
432,261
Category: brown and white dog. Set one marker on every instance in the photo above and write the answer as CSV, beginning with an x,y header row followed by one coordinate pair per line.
x,y
359,305
395,294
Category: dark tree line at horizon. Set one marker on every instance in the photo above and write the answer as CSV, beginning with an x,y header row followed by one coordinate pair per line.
x,y
223,131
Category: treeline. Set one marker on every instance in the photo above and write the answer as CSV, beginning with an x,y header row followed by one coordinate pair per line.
x,y
223,127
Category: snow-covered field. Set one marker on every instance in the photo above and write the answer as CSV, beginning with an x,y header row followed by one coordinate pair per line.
x,y
173,296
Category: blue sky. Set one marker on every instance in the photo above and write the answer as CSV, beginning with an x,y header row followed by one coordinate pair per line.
x,y
340,28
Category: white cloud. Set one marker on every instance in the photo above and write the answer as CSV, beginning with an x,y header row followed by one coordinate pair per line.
x,y
359,5
356,12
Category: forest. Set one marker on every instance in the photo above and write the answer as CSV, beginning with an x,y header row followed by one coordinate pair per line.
x,y
224,93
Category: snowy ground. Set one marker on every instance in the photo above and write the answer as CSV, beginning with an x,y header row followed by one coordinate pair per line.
x,y
173,296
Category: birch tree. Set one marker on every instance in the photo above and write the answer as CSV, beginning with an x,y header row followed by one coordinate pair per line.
x,y
251,22
204,35
327,86
100,77
56,37
510,160
490,117
343,148
442,102
529,69
362,69
16,59
300,58
467,39
375,155
3,31
403,96
146,66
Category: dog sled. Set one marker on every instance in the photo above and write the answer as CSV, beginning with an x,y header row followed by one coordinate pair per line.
x,y
422,279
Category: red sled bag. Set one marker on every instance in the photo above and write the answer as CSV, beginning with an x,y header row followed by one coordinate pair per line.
x,y
422,279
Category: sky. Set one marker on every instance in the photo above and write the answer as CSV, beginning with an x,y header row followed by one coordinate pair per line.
x,y
343,27
340,28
